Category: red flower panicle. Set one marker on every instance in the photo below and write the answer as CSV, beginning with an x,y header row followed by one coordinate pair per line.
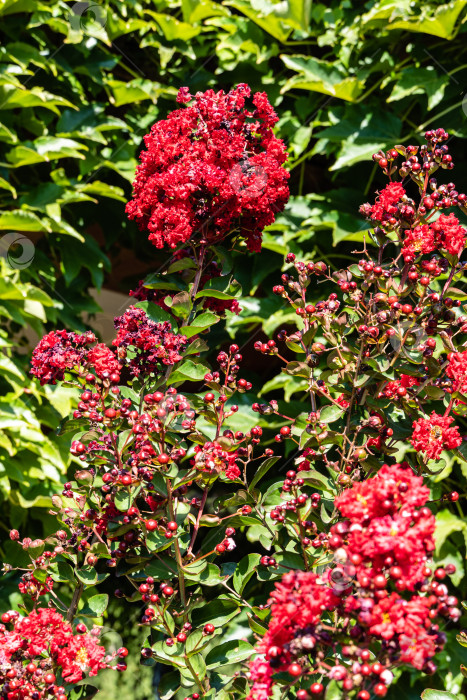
x,y
385,541
211,458
154,343
449,234
57,352
418,241
434,434
103,361
213,167
457,371
398,387
45,640
386,205
445,233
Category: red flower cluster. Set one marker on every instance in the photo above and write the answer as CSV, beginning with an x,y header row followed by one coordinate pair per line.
x,y
385,540
392,488
457,371
153,343
418,241
386,205
59,351
214,167
211,458
433,435
30,586
445,233
37,648
104,362
449,234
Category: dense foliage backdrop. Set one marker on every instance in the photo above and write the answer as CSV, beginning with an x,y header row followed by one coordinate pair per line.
x,y
80,84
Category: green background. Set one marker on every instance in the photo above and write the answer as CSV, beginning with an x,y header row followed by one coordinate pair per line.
x,y
80,85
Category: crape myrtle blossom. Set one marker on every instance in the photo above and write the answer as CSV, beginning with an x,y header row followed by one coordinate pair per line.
x,y
457,371
143,345
153,344
42,649
434,434
383,541
213,166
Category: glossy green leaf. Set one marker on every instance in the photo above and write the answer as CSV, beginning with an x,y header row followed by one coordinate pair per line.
x,y
95,606
229,653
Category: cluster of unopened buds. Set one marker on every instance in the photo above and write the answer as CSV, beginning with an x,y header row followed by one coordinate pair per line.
x,y
432,155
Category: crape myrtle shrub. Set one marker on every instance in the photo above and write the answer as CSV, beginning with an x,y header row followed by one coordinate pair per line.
x,y
341,590
80,85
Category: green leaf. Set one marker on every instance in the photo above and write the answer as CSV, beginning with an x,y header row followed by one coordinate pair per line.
x,y
124,498
5,185
314,478
89,576
199,324
82,692
438,695
244,571
447,523
162,567
168,684
168,655
61,571
44,150
262,470
154,312
418,81
209,576
330,413
156,541
183,264
221,288
441,22
11,98
229,653
326,77
95,606
218,612
20,220
188,371
297,369
173,28
180,304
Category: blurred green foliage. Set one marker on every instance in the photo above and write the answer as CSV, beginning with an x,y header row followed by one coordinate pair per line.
x,y
81,83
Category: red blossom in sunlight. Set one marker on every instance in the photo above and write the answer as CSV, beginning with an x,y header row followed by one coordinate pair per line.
x,y
211,168
457,370
450,235
434,434
57,352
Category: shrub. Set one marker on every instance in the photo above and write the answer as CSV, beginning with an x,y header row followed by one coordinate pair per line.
x,y
168,485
